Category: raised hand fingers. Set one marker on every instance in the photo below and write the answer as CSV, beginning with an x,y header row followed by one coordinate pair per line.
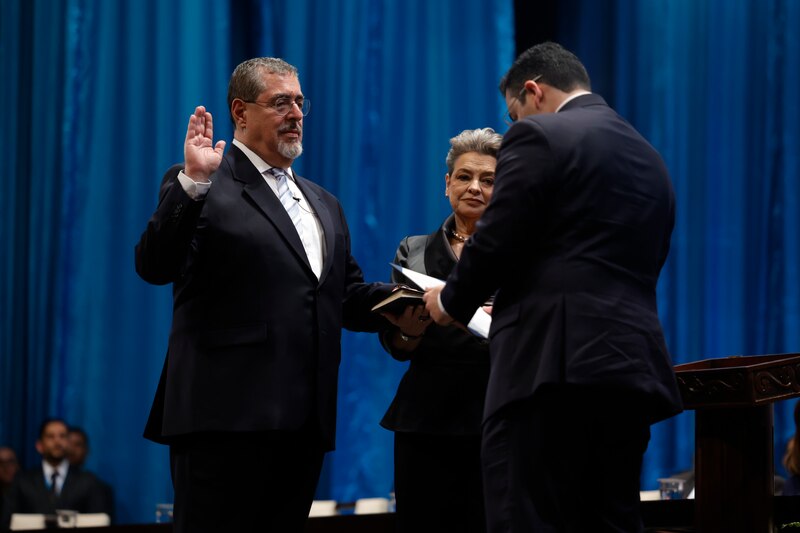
x,y
195,131
220,147
209,124
201,157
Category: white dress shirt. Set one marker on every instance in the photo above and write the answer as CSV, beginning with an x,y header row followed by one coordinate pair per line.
x,y
62,470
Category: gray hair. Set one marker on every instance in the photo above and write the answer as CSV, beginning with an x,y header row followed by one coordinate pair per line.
x,y
483,141
247,80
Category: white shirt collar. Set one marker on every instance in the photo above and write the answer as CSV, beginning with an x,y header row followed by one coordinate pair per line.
x,y
261,165
62,469
570,98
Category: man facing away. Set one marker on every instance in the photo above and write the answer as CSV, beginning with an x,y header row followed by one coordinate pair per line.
x,y
263,281
572,242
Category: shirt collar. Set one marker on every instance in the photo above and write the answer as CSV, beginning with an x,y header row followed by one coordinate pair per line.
x,y
261,165
62,469
569,99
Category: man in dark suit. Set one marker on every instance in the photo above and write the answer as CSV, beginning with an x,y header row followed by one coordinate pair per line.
x,y
572,242
8,471
263,281
77,452
55,484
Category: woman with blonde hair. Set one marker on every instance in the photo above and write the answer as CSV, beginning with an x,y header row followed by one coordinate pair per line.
x,y
437,411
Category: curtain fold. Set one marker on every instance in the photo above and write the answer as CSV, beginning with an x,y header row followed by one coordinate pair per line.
x,y
99,94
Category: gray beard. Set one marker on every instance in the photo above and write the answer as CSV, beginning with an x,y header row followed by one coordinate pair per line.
x,y
290,150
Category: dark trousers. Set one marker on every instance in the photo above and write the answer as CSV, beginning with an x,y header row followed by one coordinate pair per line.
x,y
438,483
567,460
245,482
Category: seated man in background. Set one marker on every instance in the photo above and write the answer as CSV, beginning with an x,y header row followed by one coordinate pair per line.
x,y
8,469
55,484
77,452
77,446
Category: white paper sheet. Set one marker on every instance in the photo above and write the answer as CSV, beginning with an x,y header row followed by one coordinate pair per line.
x,y
481,320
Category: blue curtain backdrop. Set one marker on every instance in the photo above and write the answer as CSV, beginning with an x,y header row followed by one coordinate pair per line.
x,y
97,95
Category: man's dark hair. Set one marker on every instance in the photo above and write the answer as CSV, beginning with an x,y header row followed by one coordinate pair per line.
x,y
81,432
552,64
47,422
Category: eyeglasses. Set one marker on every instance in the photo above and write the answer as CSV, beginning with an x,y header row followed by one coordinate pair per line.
x,y
283,105
507,118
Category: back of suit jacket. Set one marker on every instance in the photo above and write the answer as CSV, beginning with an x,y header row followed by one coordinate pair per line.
x,y
255,339
575,237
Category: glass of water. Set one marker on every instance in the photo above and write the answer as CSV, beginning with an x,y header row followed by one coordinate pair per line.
x,y
671,488
67,518
164,513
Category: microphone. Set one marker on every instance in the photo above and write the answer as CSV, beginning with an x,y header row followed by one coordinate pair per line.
x,y
301,206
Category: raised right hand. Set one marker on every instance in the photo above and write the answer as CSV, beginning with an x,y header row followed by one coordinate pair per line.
x,y
200,156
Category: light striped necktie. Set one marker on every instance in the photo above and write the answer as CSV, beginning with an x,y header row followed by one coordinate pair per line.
x,y
288,201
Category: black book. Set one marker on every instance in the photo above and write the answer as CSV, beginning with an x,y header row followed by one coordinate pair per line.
x,y
396,302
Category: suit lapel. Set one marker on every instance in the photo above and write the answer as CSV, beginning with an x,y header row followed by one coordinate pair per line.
x,y
256,188
69,481
439,259
40,485
39,480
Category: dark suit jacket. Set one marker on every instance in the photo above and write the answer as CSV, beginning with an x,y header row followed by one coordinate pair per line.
x,y
443,390
82,492
574,238
255,339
